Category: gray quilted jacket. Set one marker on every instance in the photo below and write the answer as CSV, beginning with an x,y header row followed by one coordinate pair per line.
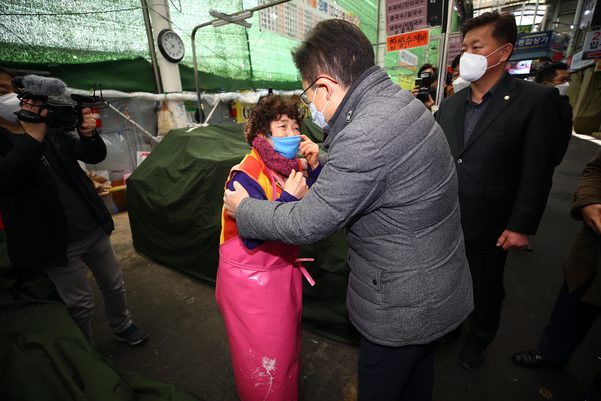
x,y
390,180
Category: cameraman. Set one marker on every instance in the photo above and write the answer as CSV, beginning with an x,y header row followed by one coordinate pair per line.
x,y
433,71
53,216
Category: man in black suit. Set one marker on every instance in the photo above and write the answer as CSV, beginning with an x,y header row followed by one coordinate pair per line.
x,y
503,134
558,76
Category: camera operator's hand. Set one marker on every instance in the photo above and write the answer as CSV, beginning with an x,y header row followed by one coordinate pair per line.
x,y
36,131
429,103
88,124
415,90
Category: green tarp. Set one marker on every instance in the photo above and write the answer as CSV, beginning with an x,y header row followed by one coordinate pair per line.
x,y
44,355
174,201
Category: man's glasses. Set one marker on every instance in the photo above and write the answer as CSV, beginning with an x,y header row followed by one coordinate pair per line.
x,y
303,96
562,80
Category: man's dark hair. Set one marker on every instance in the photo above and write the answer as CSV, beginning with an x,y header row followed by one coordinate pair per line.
x,y
505,31
549,72
425,67
336,48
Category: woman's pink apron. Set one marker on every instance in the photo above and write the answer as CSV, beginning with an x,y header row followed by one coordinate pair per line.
x,y
259,293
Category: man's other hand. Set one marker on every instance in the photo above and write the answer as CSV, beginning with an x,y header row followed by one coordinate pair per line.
x,y
231,199
592,217
88,124
512,240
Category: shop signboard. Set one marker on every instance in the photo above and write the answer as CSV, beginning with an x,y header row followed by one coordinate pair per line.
x,y
434,11
408,40
405,16
295,18
455,43
592,46
530,42
524,28
558,42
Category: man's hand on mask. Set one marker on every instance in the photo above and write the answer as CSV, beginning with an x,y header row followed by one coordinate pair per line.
x,y
36,131
231,199
88,124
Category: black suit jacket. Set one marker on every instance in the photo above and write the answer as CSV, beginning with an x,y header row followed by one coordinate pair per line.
x,y
505,169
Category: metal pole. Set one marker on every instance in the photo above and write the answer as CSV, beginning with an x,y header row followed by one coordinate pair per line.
x,y
556,12
543,24
576,26
153,55
522,13
442,64
535,15
258,8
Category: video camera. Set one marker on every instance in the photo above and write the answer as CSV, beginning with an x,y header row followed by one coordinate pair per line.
x,y
425,89
66,116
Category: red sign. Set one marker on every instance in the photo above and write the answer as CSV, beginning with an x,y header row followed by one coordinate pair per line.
x,y
408,40
557,56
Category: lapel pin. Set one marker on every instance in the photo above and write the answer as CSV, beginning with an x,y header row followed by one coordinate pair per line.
x,y
506,98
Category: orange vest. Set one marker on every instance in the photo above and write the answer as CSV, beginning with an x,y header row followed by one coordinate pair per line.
x,y
252,166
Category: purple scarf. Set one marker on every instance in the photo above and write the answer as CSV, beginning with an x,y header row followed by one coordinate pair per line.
x,y
272,159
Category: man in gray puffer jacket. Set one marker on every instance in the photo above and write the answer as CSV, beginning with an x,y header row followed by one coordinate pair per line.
x,y
390,180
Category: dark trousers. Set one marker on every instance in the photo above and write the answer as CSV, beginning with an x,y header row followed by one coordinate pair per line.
x,y
486,265
396,373
570,322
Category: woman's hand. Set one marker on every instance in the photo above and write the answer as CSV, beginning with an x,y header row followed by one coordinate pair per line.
x,y
296,185
88,123
310,151
37,130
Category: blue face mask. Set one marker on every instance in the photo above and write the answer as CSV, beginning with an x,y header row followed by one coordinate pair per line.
x,y
286,146
317,116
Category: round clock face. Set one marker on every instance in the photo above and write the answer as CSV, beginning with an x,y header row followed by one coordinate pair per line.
x,y
171,45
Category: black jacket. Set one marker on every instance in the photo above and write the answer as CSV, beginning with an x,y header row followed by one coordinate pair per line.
x,y
505,169
33,215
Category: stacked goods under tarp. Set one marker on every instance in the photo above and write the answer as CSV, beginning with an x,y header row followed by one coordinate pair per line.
x,y
45,356
175,199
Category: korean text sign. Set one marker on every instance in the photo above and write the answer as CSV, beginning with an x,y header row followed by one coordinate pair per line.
x,y
527,42
408,40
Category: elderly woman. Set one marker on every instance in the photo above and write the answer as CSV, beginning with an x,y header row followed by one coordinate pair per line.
x,y
259,284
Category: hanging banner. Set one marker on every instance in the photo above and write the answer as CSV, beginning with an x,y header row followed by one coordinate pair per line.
x,y
558,42
295,18
592,46
408,60
455,43
529,42
405,16
408,40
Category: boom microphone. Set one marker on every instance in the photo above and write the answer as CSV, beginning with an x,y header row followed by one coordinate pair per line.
x,y
41,86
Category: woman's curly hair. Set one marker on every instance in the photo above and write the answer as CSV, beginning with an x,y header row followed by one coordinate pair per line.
x,y
269,109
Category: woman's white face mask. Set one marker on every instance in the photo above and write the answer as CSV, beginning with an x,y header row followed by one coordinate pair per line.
x,y
473,66
9,104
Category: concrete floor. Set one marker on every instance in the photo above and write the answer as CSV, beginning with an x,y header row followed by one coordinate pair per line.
x,y
188,344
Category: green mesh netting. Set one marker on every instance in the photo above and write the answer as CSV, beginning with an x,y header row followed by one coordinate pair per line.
x,y
64,35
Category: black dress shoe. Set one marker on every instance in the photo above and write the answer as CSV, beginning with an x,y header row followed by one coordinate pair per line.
x,y
528,359
472,356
